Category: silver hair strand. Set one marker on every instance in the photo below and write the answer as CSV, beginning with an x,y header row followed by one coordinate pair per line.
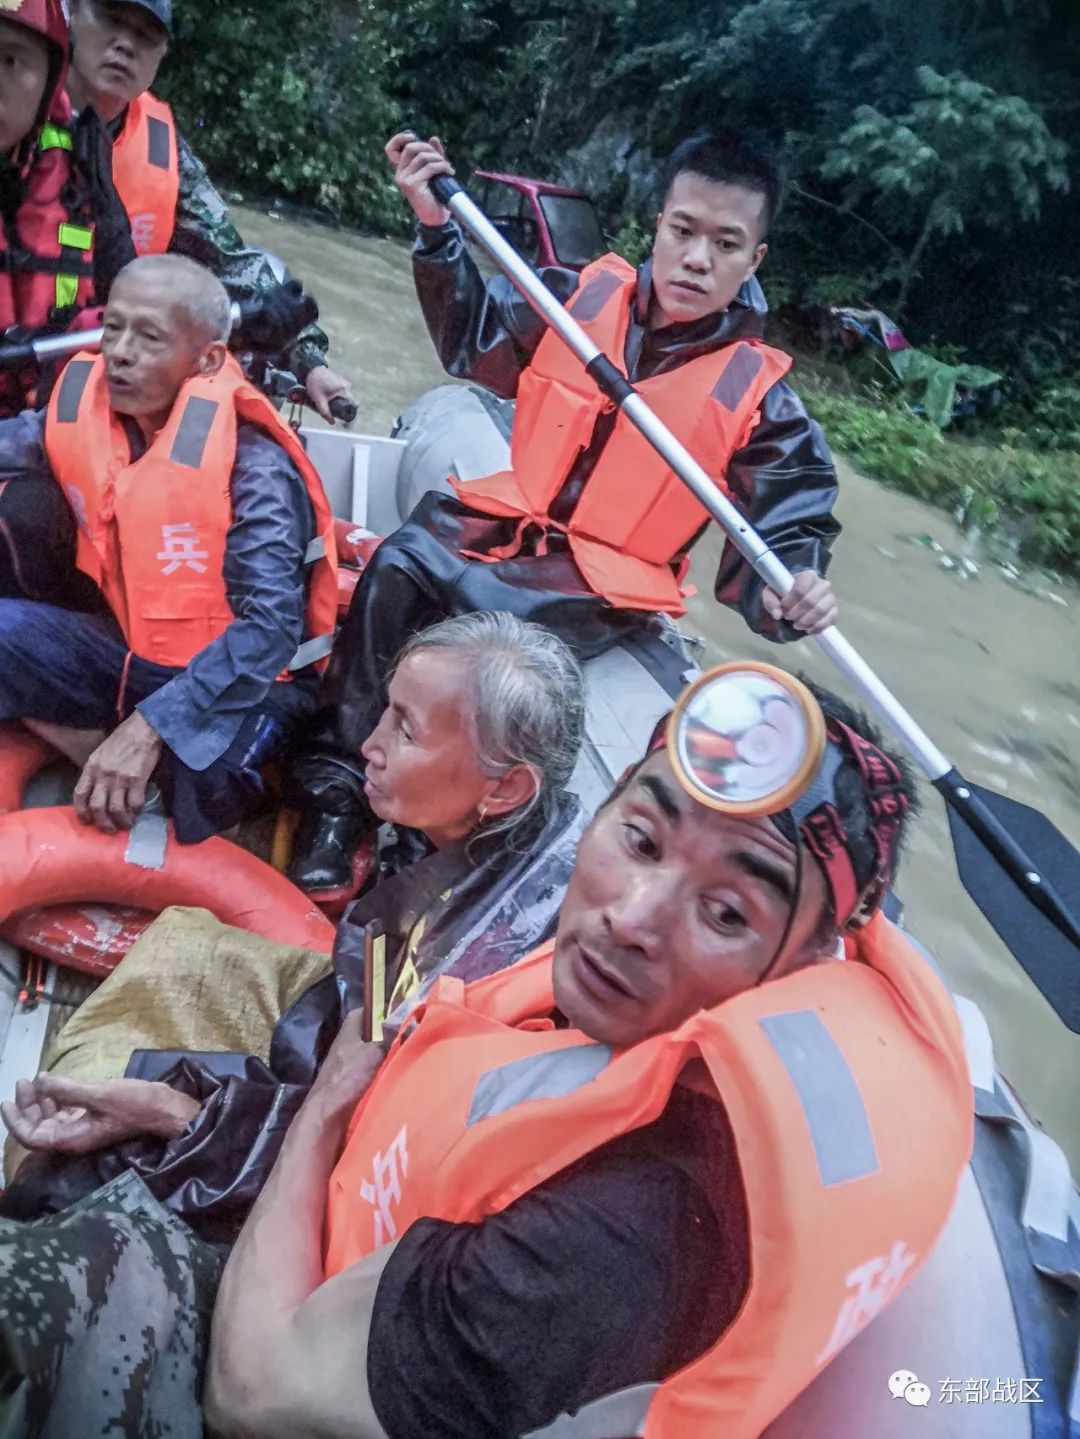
x,y
529,702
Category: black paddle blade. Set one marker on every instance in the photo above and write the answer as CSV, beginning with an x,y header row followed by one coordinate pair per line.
x,y
1043,945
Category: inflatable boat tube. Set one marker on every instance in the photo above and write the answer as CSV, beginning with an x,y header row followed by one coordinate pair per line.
x,y
457,430
48,856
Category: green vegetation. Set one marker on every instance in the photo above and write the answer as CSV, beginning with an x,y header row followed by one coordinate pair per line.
x,y
1031,496
929,147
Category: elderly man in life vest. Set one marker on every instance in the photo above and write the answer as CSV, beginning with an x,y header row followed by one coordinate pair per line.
x,y
201,529
118,47
655,1175
589,531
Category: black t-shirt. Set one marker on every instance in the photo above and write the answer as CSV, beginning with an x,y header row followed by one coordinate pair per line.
x,y
620,1270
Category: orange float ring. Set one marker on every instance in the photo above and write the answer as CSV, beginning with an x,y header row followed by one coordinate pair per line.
x,y
347,580
92,938
355,545
49,857
22,754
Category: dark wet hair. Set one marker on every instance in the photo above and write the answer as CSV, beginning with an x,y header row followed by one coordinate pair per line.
x,y
851,799
728,158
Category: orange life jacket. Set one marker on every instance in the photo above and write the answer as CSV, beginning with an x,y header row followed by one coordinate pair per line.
x,y
45,253
152,533
146,173
847,1089
635,516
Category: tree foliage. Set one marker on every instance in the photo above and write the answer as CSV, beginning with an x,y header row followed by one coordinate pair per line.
x,y
960,153
929,144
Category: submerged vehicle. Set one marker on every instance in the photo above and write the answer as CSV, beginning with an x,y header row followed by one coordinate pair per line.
x,y
985,1339
547,224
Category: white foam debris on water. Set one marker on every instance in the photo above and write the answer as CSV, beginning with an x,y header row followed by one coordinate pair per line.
x,y
993,754
1030,713
946,561
969,567
889,554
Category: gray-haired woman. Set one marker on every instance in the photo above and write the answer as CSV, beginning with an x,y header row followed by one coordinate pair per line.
x,y
469,765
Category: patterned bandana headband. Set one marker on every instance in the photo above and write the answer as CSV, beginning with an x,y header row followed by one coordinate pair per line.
x,y
817,814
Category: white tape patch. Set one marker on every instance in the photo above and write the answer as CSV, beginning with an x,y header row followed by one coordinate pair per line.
x,y
146,845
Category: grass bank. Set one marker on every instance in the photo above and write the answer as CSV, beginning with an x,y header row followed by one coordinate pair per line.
x,y
1028,497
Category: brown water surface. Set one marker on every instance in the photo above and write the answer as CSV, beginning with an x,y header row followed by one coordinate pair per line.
x,y
992,673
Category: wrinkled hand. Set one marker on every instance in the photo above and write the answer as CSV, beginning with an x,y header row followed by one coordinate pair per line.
x,y
272,321
111,791
416,162
809,605
322,386
348,1069
62,1116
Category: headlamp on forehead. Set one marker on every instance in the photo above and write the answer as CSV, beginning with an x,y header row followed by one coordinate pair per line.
x,y
749,740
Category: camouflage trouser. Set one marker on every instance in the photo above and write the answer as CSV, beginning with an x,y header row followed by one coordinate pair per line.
x,y
104,1320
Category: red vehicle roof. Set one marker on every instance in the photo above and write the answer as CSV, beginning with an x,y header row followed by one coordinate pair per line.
x,y
534,187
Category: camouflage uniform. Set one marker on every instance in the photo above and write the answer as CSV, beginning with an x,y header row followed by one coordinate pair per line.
x,y
105,1320
205,233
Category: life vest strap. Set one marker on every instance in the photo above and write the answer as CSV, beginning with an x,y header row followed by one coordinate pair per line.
x,y
25,262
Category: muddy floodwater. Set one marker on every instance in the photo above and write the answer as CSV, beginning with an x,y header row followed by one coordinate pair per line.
x,y
992,673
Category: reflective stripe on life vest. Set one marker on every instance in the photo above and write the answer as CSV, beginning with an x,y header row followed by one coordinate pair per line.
x,y
70,237
146,172
847,1092
634,517
152,533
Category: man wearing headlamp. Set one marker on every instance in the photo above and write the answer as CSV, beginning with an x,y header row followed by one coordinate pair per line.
x,y
654,1176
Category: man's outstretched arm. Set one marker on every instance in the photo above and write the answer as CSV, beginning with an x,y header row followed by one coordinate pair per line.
x,y
286,1354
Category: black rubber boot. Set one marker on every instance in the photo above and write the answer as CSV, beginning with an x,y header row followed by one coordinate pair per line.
x,y
323,849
